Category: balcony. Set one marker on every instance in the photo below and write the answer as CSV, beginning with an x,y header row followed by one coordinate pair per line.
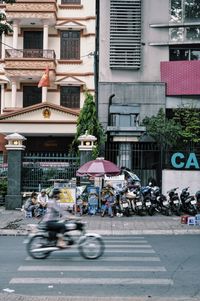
x,y
28,62
27,12
181,77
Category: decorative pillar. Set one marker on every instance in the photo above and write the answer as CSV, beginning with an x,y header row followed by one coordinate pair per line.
x,y
45,36
15,35
14,147
3,46
2,98
14,93
86,147
44,94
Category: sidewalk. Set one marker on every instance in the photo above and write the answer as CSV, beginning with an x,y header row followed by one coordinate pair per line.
x,y
13,222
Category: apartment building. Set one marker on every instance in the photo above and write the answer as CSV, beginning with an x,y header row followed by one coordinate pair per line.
x,y
59,35
149,58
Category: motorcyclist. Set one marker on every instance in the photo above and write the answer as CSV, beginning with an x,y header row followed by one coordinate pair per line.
x,y
52,218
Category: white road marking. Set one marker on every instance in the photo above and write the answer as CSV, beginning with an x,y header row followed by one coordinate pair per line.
x,y
91,268
116,258
97,281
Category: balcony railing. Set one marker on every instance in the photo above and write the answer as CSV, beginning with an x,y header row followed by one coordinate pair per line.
x,y
29,53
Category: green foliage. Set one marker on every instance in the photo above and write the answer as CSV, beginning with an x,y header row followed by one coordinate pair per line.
x,y
5,26
3,186
88,121
165,132
189,119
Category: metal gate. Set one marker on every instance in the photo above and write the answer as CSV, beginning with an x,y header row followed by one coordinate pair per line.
x,y
142,158
40,170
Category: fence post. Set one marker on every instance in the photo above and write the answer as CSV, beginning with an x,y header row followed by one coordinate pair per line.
x,y
14,147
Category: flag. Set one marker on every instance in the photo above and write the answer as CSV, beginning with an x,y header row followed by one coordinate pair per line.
x,y
44,81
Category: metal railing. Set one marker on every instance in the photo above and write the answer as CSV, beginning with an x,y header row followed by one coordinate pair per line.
x,y
29,53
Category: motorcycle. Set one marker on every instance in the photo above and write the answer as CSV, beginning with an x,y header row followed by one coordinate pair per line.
x,y
150,198
189,203
174,201
40,244
163,205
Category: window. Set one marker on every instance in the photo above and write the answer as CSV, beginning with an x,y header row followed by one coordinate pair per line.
x,y
70,97
70,1
184,53
185,11
31,95
70,45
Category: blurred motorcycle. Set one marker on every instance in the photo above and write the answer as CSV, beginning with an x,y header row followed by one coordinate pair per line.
x,y
40,244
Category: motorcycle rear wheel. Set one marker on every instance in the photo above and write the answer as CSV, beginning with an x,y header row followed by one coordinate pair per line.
x,y
91,247
37,242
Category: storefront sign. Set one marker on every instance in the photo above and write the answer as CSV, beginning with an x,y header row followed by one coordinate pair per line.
x,y
181,161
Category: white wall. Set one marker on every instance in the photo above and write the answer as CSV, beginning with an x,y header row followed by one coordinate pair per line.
x,y
181,179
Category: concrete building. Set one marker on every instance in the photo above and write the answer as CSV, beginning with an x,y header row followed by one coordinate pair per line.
x,y
55,34
149,58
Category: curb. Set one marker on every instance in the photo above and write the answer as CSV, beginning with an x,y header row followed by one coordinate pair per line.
x,y
8,232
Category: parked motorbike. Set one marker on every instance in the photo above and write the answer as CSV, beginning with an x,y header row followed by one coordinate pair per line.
x,y
150,194
40,245
175,201
197,196
163,205
189,203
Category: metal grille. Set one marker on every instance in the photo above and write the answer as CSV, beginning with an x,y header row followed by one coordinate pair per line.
x,y
125,34
39,171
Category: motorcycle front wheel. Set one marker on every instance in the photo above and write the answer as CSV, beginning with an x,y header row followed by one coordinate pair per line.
x,y
91,247
35,245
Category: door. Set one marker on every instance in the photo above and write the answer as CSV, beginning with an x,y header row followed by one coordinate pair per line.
x,y
33,44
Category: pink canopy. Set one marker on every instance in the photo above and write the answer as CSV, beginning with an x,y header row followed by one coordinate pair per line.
x,y
98,168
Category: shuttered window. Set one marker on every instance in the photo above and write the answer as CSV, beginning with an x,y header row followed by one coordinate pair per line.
x,y
31,95
70,97
70,45
125,34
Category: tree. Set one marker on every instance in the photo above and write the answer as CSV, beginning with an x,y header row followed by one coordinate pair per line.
x,y
164,131
5,26
88,121
189,120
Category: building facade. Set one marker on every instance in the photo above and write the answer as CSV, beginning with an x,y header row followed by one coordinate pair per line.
x,y
59,35
149,58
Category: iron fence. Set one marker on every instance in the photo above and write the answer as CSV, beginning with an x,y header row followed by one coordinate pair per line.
x,y
41,170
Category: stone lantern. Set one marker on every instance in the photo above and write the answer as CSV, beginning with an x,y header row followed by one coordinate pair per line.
x,y
86,147
14,147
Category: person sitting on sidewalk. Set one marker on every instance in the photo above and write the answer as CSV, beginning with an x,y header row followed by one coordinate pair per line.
x,y
31,205
108,200
42,201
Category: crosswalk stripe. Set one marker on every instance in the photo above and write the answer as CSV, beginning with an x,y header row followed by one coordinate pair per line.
x,y
127,246
126,241
91,268
115,258
130,251
98,281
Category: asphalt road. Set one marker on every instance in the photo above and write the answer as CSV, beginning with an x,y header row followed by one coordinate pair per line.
x,y
132,266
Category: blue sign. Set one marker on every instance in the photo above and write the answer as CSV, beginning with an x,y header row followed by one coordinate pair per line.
x,y
180,161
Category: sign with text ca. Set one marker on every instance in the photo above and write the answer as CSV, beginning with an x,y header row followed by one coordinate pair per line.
x,y
183,161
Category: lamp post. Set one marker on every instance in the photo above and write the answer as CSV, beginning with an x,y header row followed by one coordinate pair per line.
x,y
86,147
14,147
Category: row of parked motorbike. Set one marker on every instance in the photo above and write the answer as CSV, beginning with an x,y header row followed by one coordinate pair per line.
x,y
149,200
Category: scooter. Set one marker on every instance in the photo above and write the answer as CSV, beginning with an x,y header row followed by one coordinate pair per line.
x,y
175,201
40,244
189,202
